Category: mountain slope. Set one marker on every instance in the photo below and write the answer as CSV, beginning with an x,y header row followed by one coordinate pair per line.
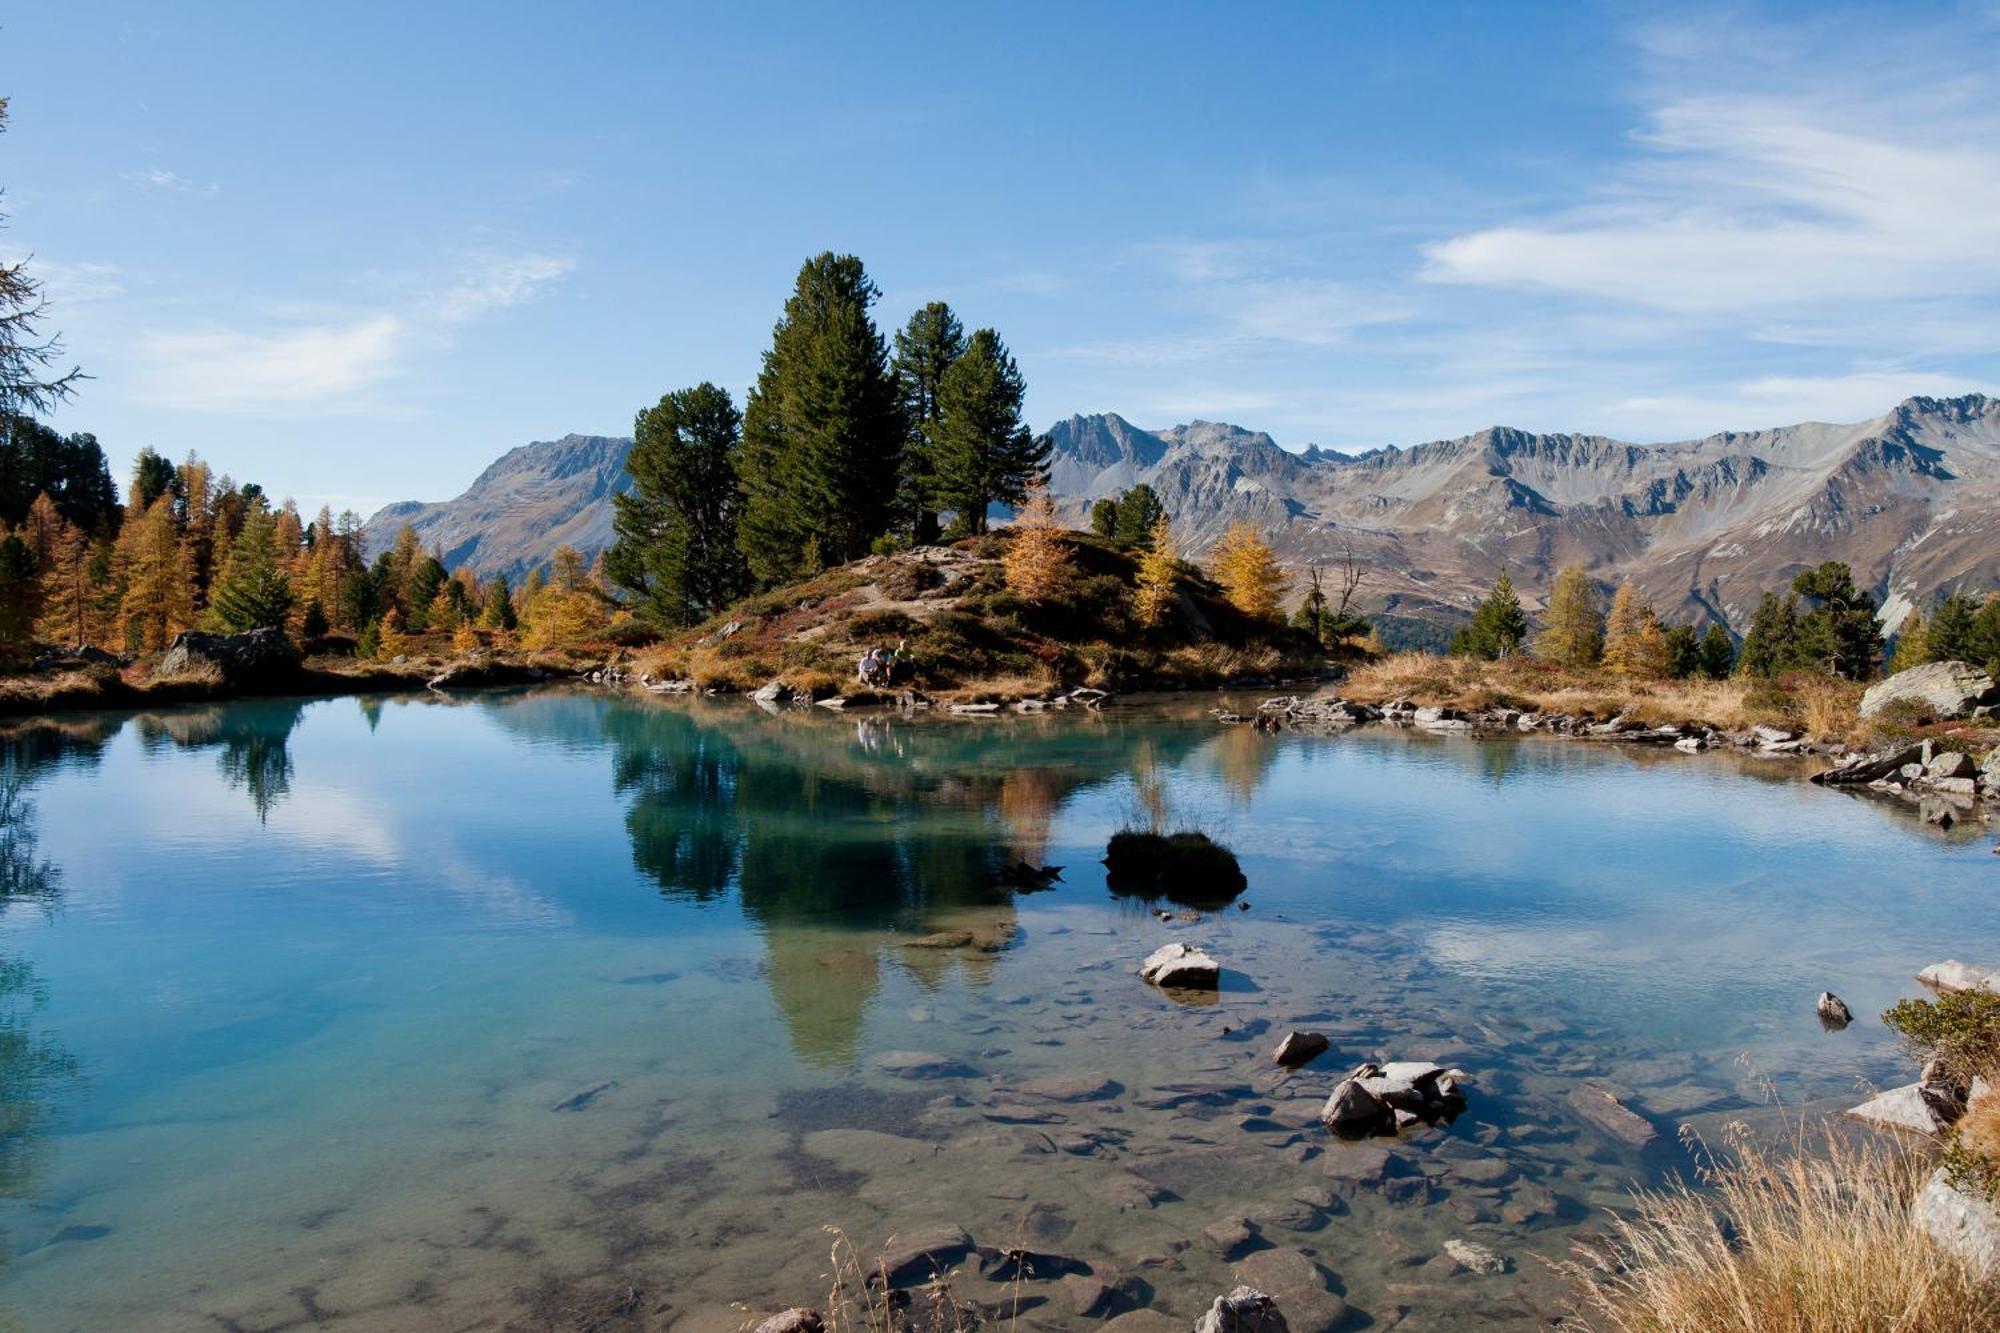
x,y
511,520
1911,500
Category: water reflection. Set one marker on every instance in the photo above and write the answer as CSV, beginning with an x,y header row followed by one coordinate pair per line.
x,y
853,845
35,1068
253,735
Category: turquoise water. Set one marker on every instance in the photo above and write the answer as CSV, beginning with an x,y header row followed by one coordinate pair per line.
x,y
295,991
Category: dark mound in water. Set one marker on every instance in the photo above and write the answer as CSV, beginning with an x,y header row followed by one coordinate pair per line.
x,y
1185,868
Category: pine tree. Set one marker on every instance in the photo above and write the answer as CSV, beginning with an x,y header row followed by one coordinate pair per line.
x,y
420,591
1718,653
1913,642
1949,636
20,598
1242,563
1633,642
1770,644
1573,629
1982,642
1104,518
822,431
158,576
152,477
252,589
1683,651
1498,628
1156,587
1037,562
1138,510
676,528
925,349
985,454
498,612
1838,634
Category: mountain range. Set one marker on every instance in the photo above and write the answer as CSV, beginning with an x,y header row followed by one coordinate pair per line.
x,y
1910,500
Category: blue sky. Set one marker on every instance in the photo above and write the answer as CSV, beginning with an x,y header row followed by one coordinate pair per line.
x,y
357,251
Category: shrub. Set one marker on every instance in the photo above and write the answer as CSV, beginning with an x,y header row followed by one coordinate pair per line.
x,y
1961,1029
884,624
910,580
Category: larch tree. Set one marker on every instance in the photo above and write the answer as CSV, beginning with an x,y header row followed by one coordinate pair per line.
x,y
20,597
676,546
1037,563
925,348
822,430
158,576
1249,574
1573,628
1157,584
985,454
1913,642
1634,643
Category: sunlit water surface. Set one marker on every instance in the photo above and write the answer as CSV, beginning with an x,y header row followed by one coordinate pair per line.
x,y
306,1001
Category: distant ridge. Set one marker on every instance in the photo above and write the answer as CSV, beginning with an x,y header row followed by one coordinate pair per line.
x,y
1910,499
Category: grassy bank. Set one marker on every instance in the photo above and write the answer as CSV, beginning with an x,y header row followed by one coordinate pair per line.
x,y
966,637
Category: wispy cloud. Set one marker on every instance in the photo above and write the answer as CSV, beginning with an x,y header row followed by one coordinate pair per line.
x,y
158,181
71,284
334,365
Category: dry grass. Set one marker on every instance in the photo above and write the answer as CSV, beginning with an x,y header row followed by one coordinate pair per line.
x,y
1824,709
1812,1237
1979,1128
1002,689
854,1304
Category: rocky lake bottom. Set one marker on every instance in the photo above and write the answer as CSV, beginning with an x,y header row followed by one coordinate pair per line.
x,y
563,1009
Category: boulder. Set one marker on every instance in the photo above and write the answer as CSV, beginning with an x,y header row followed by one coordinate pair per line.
x,y
260,658
1244,1310
1352,1109
1300,1048
1952,975
1377,1099
798,1319
1950,764
769,693
1833,1011
1940,689
1965,1224
1182,967
1912,1107
1475,1257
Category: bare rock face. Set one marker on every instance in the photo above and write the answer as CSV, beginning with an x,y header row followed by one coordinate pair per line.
x,y
1963,1223
1941,689
1244,1310
1182,967
260,659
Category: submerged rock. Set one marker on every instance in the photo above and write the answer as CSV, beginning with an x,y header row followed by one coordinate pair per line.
x,y
585,1095
1244,1310
918,1256
1602,1110
922,1064
798,1319
1475,1257
1182,967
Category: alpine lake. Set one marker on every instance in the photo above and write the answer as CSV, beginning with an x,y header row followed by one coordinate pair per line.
x,y
566,1009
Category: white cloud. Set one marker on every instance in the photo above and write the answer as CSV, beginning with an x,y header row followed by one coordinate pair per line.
x,y
74,283
1886,188
158,181
1773,400
327,367
332,365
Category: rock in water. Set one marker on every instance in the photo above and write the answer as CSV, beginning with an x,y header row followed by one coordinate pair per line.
x,y
585,1095
1963,1223
1244,1310
1606,1113
918,1256
1909,1107
1183,967
1475,1257
1940,689
1952,975
1833,1012
1353,1110
260,659
798,1319
1300,1048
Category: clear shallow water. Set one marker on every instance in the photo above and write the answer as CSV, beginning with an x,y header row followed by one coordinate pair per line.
x,y
295,989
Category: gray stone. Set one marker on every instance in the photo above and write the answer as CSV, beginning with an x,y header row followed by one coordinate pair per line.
x,y
1243,1310
798,1319
1352,1109
1071,1088
1088,1297
1183,967
917,1256
922,1064
1940,689
1599,1108
1963,1223
1145,1321
1950,764
1952,975
1300,1048
1229,1236
1833,1011
768,693
1907,1107
1279,1272
1475,1257
261,658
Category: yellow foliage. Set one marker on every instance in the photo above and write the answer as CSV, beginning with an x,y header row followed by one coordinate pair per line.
x,y
1037,560
465,639
1159,570
1634,643
393,642
1574,628
1249,574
